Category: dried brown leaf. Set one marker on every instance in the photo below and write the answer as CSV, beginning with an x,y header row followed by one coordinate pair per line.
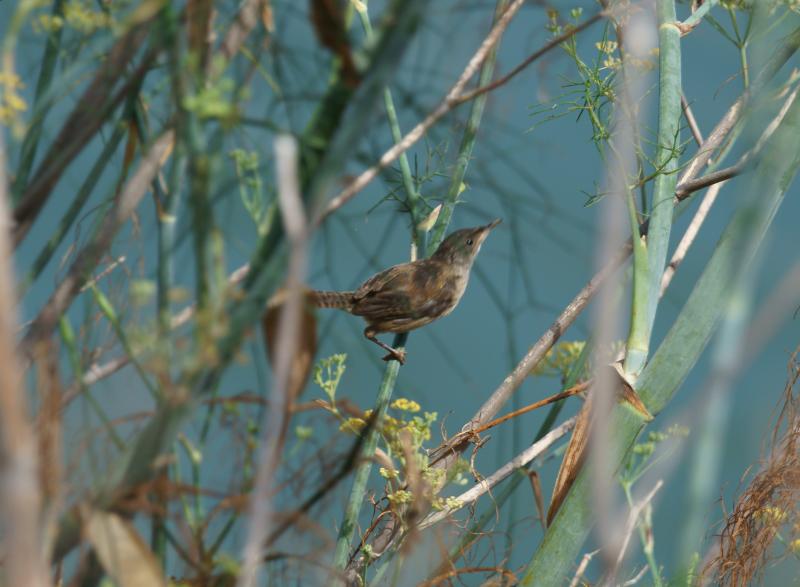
x,y
327,20
303,359
122,552
573,458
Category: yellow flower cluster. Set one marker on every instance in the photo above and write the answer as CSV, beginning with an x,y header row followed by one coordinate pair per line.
x,y
400,496
11,103
406,405
80,16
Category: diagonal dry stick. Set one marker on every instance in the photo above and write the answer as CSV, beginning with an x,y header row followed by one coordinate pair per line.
x,y
123,207
452,99
440,452
82,125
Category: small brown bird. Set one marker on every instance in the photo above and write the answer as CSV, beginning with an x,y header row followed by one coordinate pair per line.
x,y
407,296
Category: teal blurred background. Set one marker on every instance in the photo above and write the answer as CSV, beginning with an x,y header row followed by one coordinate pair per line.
x,y
534,174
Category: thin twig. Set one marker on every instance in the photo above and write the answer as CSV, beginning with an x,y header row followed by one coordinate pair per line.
x,y
708,200
483,486
582,568
630,526
689,187
442,451
691,121
296,226
452,99
551,44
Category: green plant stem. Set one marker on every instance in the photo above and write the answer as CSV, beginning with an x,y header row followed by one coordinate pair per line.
x,y
701,11
643,311
350,520
467,144
682,345
409,184
465,150
68,338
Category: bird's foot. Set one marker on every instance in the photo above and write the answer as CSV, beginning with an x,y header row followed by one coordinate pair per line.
x,y
396,355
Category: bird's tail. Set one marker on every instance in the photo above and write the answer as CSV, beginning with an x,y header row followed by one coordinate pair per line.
x,y
332,299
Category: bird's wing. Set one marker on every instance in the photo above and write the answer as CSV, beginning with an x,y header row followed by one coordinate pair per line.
x,y
384,295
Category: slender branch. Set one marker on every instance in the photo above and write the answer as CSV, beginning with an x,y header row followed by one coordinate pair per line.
x,y
294,219
630,526
466,435
587,558
689,187
450,100
484,485
691,121
551,44
20,494
718,180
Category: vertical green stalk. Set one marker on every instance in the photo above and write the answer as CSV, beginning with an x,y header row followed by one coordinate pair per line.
x,y
644,307
682,346
405,168
350,520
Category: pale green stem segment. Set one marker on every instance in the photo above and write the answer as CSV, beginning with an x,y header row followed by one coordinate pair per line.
x,y
645,302
698,14
397,135
682,346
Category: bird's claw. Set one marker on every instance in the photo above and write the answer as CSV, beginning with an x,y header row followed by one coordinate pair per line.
x,y
396,355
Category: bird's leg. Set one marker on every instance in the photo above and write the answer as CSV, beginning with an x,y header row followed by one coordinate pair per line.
x,y
397,355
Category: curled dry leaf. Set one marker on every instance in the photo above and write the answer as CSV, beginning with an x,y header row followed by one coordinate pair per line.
x,y
303,359
122,552
576,452
573,459
328,22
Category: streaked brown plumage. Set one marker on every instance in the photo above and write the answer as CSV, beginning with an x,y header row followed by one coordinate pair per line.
x,y
407,296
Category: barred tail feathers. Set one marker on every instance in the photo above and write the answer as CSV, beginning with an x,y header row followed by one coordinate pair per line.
x,y
332,299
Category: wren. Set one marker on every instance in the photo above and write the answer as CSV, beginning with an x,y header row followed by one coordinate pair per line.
x,y
407,296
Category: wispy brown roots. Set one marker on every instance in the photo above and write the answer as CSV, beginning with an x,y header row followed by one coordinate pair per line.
x,y
764,525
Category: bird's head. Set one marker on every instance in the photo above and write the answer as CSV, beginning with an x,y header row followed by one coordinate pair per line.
x,y
462,246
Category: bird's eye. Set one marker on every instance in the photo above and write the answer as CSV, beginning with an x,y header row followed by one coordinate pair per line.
x,y
469,242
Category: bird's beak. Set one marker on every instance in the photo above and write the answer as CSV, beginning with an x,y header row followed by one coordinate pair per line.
x,y
493,223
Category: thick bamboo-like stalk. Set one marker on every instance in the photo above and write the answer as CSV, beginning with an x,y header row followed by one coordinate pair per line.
x,y
683,344
647,277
